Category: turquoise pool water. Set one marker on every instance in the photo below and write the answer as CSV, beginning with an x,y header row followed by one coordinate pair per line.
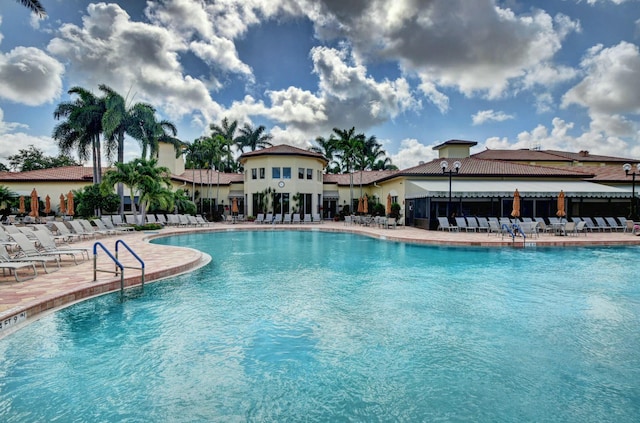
x,y
310,326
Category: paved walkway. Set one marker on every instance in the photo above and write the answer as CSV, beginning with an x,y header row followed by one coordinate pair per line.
x,y
20,302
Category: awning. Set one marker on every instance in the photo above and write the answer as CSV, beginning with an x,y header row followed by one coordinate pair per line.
x,y
330,195
236,194
487,188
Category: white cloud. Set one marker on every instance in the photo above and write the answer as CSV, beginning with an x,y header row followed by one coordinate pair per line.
x,y
412,152
489,115
612,81
30,76
472,46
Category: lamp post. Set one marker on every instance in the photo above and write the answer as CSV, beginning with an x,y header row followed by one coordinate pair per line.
x,y
456,168
627,171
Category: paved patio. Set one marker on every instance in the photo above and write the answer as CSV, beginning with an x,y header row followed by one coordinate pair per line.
x,y
21,302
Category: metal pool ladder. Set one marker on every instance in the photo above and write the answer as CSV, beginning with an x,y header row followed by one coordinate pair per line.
x,y
512,231
119,267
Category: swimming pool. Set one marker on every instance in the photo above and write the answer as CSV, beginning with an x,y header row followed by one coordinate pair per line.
x,y
337,327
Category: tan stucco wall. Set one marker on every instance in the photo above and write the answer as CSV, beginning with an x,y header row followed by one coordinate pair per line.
x,y
292,186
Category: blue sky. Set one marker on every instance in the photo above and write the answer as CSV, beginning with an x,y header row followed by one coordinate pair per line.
x,y
555,74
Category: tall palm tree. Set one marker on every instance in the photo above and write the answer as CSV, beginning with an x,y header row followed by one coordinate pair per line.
x,y
35,7
253,138
227,130
328,148
350,148
149,131
82,128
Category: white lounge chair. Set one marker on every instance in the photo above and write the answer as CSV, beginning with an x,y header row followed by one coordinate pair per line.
x,y
48,245
443,223
287,218
316,218
259,218
307,218
7,263
28,252
296,218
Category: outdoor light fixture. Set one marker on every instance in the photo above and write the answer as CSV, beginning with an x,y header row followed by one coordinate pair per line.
x,y
456,168
627,170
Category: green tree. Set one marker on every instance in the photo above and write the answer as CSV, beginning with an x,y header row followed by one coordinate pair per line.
x,y
3,167
144,179
252,138
227,130
33,158
149,131
91,198
82,128
182,203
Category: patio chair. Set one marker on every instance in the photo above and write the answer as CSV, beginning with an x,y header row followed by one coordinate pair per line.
x,y
483,224
7,263
316,218
602,225
116,219
183,220
287,218
461,223
151,218
62,229
472,224
88,227
307,218
277,219
590,225
48,245
100,225
613,224
201,221
161,219
623,222
494,227
77,228
259,218
443,223
296,218
268,218
28,252
581,227
109,225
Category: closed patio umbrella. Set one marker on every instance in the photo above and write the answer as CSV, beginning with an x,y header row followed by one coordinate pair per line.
x,y
21,209
70,204
234,205
388,211
516,204
365,204
34,204
47,204
63,205
360,205
561,212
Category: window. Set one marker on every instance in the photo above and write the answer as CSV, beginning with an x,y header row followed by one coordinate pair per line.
x,y
286,173
262,173
254,173
301,173
309,173
319,176
275,172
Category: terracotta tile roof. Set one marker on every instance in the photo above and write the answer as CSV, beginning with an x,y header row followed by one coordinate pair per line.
x,y
65,173
545,156
282,150
608,174
368,177
207,176
477,167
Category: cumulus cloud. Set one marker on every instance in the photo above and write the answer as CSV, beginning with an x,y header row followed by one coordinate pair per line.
x,y
412,152
134,57
472,46
612,81
489,115
29,76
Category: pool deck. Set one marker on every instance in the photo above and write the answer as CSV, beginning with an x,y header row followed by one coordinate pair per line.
x,y
22,302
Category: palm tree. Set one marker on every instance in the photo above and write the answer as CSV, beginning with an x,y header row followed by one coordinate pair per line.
x,y
350,147
149,131
144,178
82,128
227,131
35,7
328,148
253,138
